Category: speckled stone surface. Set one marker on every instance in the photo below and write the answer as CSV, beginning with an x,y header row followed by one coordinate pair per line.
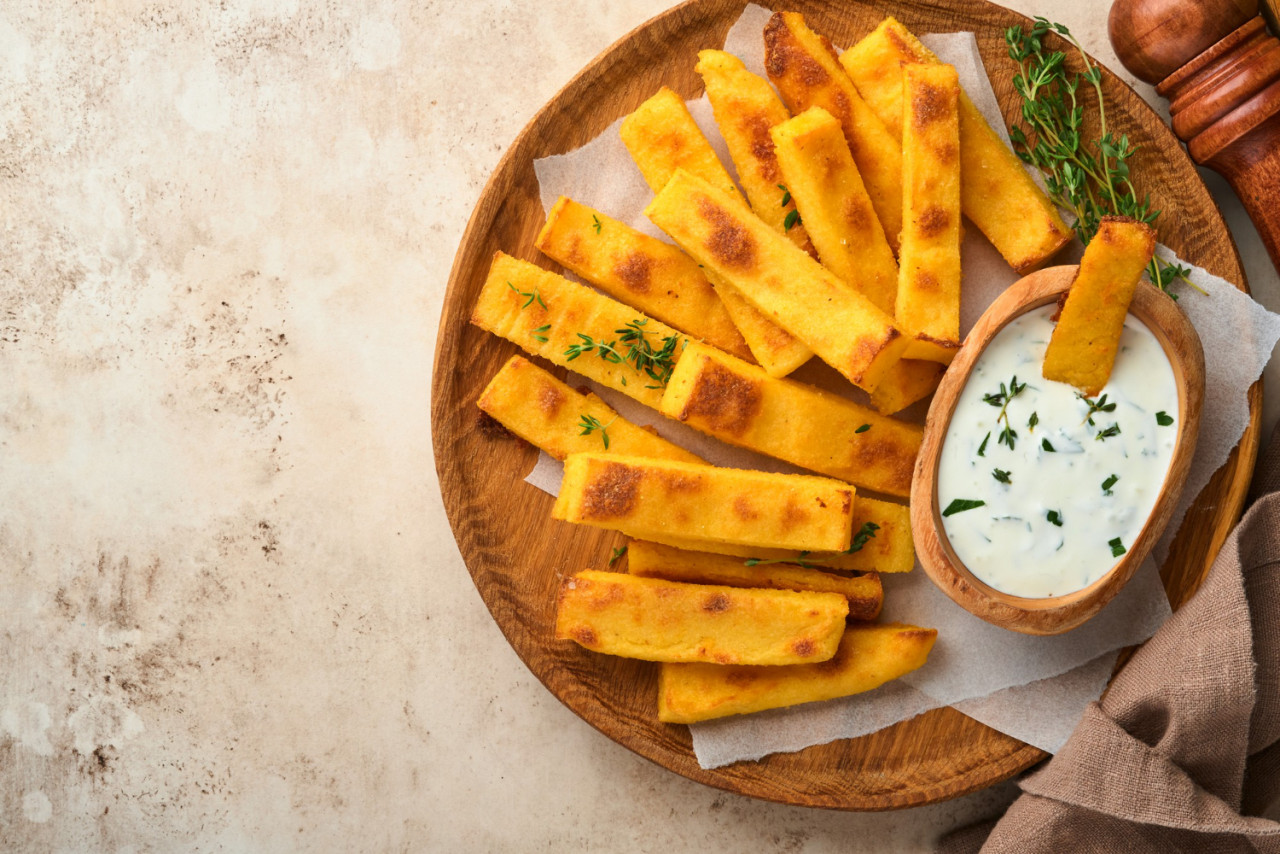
x,y
232,615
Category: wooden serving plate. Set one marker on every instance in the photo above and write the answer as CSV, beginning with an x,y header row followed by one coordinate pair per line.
x,y
516,553
1051,615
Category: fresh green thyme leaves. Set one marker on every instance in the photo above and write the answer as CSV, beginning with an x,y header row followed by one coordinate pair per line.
x,y
982,449
864,428
1001,475
865,533
793,219
1032,422
539,334
786,195
530,296
962,504
1099,405
590,424
596,223
617,555
1113,430
1091,180
1008,436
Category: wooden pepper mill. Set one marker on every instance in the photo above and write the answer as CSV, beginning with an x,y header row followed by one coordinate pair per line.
x,y
1220,69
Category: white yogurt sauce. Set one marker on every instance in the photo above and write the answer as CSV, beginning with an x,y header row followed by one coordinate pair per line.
x,y
1011,542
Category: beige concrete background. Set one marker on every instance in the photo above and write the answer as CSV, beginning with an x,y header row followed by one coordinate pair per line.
x,y
232,615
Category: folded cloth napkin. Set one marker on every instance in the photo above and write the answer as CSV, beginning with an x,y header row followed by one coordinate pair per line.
x,y
1184,749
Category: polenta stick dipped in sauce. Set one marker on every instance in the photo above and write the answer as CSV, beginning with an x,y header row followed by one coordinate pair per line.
x,y
571,325
662,137
643,497
804,67
739,403
865,593
642,271
844,328
1083,347
997,194
928,305
656,620
881,542
819,172
868,657
746,107
549,415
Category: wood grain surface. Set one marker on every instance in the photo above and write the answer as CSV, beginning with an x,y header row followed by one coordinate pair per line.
x,y
516,554
1051,615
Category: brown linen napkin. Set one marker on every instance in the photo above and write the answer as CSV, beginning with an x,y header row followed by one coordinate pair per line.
x,y
1186,744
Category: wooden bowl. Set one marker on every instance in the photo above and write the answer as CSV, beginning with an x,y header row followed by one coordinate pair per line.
x,y
1051,615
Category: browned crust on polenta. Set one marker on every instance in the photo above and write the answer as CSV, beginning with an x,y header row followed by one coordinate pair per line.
x,y
933,221
724,398
783,54
634,271
865,351
868,449
612,493
729,241
931,103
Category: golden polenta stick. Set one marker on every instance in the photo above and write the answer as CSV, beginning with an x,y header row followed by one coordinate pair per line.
x,y
738,403
652,560
1082,349
819,171
882,542
929,279
844,328
639,270
662,137
549,415
657,620
662,497
777,350
548,315
905,383
996,191
746,107
868,657
804,67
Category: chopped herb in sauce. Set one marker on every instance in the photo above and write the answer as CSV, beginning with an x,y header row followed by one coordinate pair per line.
x,y
1001,475
1113,430
982,449
1032,422
1108,483
1054,517
1044,443
1117,547
1163,418
962,504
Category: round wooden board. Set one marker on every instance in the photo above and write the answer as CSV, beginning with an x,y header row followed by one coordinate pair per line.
x,y
516,554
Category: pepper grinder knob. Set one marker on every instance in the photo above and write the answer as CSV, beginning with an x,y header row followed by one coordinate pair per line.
x,y
1220,69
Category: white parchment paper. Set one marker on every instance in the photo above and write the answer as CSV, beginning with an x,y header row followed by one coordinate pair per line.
x,y
1031,688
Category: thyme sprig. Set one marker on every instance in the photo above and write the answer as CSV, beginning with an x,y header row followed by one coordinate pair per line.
x,y
590,424
1099,405
1008,436
529,296
1090,179
657,365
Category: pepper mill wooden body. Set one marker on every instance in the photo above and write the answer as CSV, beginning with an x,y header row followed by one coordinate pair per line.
x,y
1220,69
